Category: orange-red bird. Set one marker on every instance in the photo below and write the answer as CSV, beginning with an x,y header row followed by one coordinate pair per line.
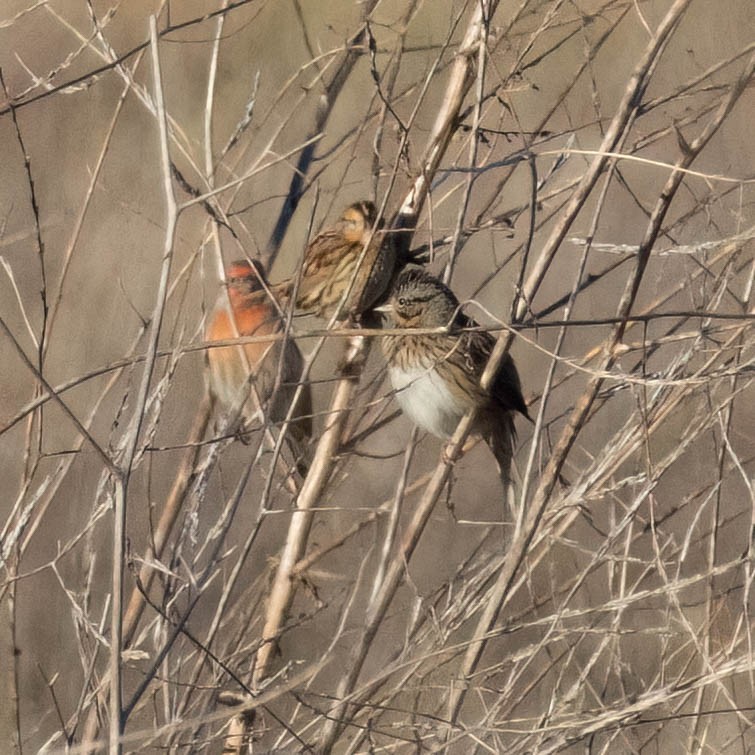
x,y
275,367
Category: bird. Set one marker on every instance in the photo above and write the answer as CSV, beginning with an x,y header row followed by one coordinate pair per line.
x,y
273,368
330,266
436,377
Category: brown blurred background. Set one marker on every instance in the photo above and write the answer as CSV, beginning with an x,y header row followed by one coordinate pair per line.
x,y
656,609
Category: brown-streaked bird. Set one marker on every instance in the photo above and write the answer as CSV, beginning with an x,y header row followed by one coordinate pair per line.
x,y
273,367
330,266
437,376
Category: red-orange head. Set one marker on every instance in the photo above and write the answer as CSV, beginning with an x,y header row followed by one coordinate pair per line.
x,y
243,277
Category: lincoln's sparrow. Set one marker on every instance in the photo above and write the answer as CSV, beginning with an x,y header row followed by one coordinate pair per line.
x,y
437,376
275,366
330,266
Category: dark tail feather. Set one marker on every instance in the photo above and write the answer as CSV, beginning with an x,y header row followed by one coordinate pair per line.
x,y
299,434
500,437
300,447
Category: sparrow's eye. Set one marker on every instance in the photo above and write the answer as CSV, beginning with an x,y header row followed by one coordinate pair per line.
x,y
403,301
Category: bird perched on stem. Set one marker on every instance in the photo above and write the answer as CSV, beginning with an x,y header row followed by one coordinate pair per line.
x,y
353,255
437,376
243,376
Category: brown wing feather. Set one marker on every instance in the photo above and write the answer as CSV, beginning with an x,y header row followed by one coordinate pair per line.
x,y
330,265
506,389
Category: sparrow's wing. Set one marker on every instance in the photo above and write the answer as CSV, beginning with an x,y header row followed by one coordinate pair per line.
x,y
506,389
327,257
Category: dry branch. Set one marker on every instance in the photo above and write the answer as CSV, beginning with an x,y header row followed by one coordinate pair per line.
x,y
609,210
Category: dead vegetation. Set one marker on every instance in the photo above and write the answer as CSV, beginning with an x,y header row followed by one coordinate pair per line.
x,y
581,175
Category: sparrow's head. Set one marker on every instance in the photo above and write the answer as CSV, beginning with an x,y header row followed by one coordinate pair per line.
x,y
357,220
419,300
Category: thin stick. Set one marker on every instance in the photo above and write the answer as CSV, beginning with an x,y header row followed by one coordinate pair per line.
x,y
121,483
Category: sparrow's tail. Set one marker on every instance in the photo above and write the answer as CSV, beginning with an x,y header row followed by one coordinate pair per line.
x,y
500,436
300,432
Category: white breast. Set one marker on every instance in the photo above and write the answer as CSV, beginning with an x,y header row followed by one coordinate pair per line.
x,y
425,399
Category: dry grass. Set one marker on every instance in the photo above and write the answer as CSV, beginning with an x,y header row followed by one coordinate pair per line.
x,y
581,174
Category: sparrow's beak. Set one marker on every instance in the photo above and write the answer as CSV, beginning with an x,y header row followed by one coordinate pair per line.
x,y
386,308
